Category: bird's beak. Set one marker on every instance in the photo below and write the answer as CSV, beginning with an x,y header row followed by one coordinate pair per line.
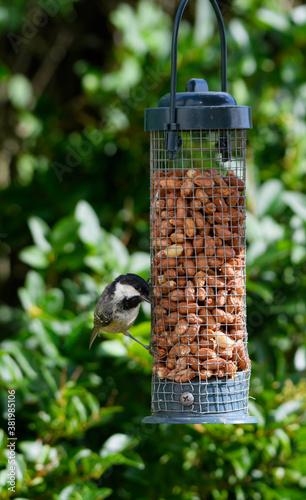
x,y
93,336
146,299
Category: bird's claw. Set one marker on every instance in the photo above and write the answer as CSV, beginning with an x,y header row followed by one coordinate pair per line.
x,y
153,351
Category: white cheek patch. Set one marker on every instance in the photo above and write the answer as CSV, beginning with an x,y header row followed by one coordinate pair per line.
x,y
124,292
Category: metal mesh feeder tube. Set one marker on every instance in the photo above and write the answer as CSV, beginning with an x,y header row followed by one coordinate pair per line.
x,y
201,367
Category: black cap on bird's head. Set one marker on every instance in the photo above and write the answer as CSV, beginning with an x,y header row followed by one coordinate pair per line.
x,y
136,282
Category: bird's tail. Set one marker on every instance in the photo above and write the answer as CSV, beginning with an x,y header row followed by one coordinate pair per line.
x,y
93,336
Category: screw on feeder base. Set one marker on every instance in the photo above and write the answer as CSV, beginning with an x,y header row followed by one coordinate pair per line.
x,y
186,399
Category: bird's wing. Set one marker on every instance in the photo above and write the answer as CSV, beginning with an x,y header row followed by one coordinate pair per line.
x,y
102,317
101,320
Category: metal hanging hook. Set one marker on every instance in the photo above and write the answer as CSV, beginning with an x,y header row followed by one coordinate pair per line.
x,y
171,127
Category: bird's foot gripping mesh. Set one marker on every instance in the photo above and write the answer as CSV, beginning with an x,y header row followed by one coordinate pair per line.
x,y
198,273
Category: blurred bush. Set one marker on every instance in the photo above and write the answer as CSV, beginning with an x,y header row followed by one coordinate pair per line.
x,y
75,77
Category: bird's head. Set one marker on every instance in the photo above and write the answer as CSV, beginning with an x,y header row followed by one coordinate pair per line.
x,y
131,289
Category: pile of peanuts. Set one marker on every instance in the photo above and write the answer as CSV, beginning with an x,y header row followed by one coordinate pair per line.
x,y
197,272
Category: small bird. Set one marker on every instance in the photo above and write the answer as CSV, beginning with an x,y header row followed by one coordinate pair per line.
x,y
118,306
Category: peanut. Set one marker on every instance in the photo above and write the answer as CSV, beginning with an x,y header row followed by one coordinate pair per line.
x,y
185,375
177,237
170,183
187,308
173,251
202,196
177,295
175,222
190,268
190,292
214,363
206,182
187,188
222,316
188,249
181,208
206,374
192,172
179,350
222,232
223,341
233,180
160,371
194,363
209,208
201,294
200,278
205,353
190,227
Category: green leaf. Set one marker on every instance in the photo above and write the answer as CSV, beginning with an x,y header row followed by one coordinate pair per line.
x,y
256,411
66,493
300,358
31,449
54,301
269,257
261,289
139,263
3,440
256,250
119,251
9,369
274,19
116,444
298,14
79,407
83,492
240,459
21,357
34,257
285,442
253,231
142,329
268,196
20,91
271,231
96,263
113,348
35,287
44,340
89,230
25,298
296,201
39,230
64,234
286,409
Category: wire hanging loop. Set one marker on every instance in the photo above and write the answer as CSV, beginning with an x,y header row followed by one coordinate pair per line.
x,y
171,127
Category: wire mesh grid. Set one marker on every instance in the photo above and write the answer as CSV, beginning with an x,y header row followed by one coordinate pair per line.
x,y
198,272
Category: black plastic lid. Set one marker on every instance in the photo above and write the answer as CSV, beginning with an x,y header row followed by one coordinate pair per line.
x,y
197,109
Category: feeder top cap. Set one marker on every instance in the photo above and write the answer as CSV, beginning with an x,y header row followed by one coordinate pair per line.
x,y
198,109
198,94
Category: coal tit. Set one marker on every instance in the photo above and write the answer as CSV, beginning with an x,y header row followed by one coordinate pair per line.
x,y
118,306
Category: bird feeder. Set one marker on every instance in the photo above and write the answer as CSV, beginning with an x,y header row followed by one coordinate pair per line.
x,y
201,367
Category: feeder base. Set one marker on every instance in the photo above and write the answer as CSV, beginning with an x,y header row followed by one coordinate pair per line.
x,y
235,417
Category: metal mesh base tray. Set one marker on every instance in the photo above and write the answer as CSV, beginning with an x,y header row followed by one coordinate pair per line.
x,y
224,397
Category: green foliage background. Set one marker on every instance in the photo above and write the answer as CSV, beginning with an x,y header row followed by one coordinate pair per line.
x,y
75,78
